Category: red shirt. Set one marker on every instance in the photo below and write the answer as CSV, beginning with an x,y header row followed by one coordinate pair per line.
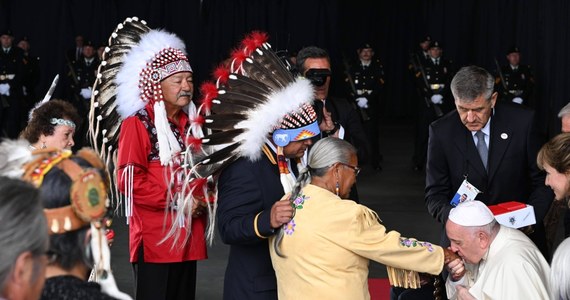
x,y
149,224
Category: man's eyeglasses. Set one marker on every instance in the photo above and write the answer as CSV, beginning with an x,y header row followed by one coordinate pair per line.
x,y
356,169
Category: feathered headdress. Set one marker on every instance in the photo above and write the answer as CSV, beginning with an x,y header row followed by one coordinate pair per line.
x,y
135,62
254,98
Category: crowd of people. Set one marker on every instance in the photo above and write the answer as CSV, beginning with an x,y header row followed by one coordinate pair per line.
x,y
268,159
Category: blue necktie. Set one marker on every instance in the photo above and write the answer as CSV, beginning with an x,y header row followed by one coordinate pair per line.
x,y
482,147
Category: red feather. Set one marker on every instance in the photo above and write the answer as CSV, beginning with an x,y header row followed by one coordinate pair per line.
x,y
209,92
197,186
238,56
254,40
222,74
198,120
194,143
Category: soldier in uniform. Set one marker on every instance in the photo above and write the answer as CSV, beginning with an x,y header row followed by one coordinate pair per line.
x,y
419,57
367,76
11,75
515,81
423,51
433,77
31,76
82,75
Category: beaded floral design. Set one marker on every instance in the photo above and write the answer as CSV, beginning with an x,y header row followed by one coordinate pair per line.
x,y
299,201
296,204
289,227
415,243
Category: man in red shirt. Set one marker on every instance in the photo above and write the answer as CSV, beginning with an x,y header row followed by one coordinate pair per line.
x,y
152,83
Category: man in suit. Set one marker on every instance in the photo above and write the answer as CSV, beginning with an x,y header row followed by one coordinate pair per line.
x,y
336,116
491,145
75,53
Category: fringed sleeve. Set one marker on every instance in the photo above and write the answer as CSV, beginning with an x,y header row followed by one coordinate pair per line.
x,y
404,257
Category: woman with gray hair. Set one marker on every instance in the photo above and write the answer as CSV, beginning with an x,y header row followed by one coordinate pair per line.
x,y
324,251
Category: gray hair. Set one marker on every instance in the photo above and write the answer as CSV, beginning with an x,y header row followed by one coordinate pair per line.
x,y
322,156
559,275
24,226
471,82
564,111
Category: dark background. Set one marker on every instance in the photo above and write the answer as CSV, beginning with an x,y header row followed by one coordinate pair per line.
x,y
471,31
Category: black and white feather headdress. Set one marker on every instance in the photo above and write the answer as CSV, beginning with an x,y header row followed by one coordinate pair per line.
x,y
253,97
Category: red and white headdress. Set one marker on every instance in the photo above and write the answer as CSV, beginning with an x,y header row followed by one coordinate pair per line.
x,y
135,49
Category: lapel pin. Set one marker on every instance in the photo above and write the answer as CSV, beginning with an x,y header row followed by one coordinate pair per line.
x,y
504,136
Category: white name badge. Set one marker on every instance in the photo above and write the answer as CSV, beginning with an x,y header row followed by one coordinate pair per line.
x,y
466,192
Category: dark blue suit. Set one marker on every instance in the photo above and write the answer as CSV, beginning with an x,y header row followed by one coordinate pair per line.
x,y
246,189
512,172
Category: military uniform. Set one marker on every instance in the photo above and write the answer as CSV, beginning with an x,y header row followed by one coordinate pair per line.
x,y
368,82
436,100
419,58
11,106
518,82
30,81
85,73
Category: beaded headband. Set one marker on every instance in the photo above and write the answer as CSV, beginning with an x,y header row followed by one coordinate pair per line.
x,y
57,121
167,62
